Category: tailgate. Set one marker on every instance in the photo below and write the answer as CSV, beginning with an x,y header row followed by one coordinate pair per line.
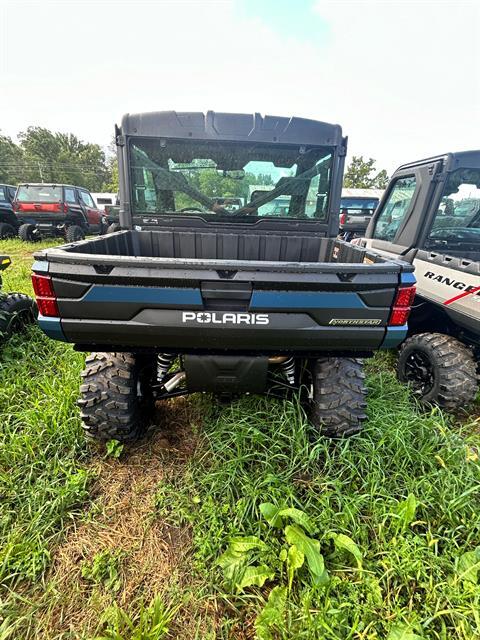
x,y
217,305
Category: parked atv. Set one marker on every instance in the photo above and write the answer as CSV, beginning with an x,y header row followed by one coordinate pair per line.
x,y
57,210
16,309
430,217
356,209
8,220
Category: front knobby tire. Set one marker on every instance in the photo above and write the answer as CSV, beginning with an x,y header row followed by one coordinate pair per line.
x,y
115,398
439,369
339,396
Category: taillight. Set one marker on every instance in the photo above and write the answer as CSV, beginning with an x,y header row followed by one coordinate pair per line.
x,y
402,306
45,295
65,207
16,206
343,218
48,307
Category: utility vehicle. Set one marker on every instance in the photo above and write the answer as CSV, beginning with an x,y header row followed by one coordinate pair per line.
x,y
191,296
430,217
8,220
16,309
356,210
57,210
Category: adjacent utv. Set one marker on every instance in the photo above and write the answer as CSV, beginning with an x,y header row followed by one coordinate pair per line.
x,y
192,295
430,217
8,220
356,209
57,210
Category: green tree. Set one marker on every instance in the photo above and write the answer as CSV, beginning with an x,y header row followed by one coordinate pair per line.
x,y
63,158
362,174
111,183
11,161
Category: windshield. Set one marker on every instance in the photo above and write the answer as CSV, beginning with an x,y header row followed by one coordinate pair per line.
x,y
456,226
358,206
229,179
39,193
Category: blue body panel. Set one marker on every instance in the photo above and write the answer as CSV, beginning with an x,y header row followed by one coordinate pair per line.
x,y
167,295
52,327
304,300
394,337
40,266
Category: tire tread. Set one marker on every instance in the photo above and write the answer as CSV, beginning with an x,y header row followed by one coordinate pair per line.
x,y
339,403
456,367
109,405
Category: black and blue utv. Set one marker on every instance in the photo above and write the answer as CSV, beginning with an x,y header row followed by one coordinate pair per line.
x,y
192,295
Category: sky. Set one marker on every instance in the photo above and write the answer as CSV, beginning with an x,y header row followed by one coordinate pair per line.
x,y
401,78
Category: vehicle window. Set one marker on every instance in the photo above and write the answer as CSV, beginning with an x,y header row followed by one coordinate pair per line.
x,y
456,225
358,206
255,181
86,199
39,193
11,192
3,195
104,201
70,196
395,209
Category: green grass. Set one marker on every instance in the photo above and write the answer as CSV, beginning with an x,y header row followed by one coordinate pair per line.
x,y
406,491
258,451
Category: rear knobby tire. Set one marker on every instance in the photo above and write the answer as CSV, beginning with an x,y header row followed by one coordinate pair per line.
x,y
74,233
339,396
7,231
439,369
28,233
16,311
115,398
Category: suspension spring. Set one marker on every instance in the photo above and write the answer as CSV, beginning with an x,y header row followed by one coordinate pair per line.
x,y
164,362
288,369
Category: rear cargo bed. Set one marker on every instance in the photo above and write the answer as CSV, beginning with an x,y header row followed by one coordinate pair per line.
x,y
179,247
214,291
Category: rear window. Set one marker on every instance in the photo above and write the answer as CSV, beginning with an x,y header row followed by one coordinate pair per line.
x,y
359,205
104,201
42,193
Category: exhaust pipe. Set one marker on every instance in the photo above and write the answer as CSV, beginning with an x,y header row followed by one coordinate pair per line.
x,y
174,381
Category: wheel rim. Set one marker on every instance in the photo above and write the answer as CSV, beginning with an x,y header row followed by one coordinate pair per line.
x,y
20,319
419,372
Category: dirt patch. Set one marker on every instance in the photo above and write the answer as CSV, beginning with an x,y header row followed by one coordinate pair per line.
x,y
122,522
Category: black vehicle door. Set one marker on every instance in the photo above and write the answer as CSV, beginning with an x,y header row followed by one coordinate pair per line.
x,y
71,200
402,212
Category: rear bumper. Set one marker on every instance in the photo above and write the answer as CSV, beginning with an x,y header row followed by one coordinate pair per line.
x,y
169,330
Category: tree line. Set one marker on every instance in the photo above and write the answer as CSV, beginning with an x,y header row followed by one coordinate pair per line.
x,y
42,155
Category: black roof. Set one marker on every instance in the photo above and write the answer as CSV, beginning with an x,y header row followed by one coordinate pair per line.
x,y
50,184
453,160
235,127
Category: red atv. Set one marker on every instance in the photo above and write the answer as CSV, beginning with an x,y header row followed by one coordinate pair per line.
x,y
57,210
